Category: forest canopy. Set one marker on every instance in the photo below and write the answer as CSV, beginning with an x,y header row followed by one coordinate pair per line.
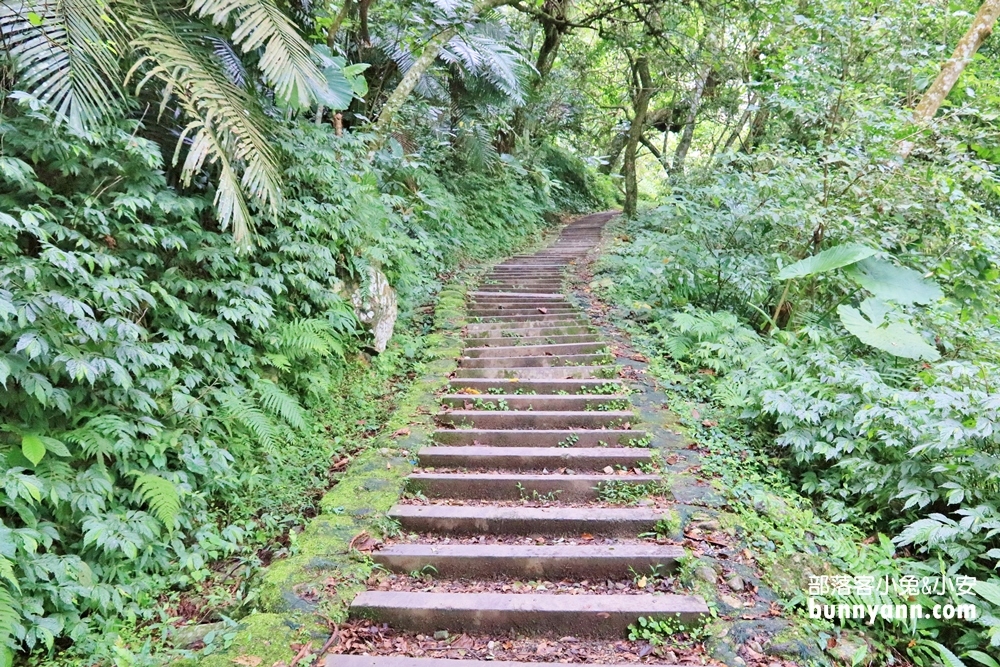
x,y
190,191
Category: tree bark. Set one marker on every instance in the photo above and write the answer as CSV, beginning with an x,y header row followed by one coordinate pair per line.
x,y
331,32
553,29
617,145
982,26
423,62
737,131
644,92
688,134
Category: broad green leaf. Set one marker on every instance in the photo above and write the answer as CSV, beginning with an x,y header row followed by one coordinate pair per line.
x,y
33,448
56,447
828,260
893,283
983,659
988,591
897,338
339,92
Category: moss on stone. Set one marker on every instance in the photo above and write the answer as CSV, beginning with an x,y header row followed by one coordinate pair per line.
x,y
265,636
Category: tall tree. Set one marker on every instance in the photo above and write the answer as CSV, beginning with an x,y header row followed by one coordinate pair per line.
x,y
982,26
643,92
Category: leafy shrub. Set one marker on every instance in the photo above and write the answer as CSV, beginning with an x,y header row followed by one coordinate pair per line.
x,y
576,187
168,398
886,411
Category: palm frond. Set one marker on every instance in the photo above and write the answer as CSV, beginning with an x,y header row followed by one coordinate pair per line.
x,y
231,62
287,63
485,52
66,54
226,126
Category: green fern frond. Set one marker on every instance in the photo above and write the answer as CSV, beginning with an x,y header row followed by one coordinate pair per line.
x,y
287,62
66,54
253,419
308,337
9,620
227,125
161,496
281,404
7,573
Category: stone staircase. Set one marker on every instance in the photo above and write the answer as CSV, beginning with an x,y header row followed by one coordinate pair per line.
x,y
534,421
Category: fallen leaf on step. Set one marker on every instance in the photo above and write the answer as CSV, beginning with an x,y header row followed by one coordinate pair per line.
x,y
247,660
543,311
401,432
587,536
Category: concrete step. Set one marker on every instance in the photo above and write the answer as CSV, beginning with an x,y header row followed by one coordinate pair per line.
x,y
578,403
492,328
547,350
530,310
533,458
509,342
528,561
493,294
528,613
541,361
568,316
521,304
540,332
404,661
466,437
536,419
528,387
554,520
563,372
518,486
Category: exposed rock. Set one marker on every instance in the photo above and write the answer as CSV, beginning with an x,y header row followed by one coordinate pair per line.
x,y
731,601
375,305
848,646
736,583
706,574
441,635
192,634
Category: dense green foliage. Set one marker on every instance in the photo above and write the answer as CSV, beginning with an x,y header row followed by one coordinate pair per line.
x,y
167,395
173,400
874,375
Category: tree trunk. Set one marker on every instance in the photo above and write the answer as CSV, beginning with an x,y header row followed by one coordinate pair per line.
x,y
331,32
644,92
688,134
423,62
552,32
982,26
663,115
736,132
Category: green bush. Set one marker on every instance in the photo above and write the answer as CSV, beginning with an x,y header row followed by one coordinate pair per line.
x,y
169,399
891,444
576,186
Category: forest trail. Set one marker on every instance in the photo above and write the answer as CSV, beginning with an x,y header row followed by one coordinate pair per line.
x,y
555,505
